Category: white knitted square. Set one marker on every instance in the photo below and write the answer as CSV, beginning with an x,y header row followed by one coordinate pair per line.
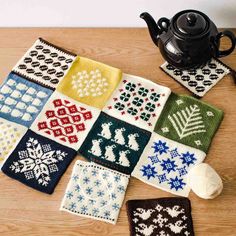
x,y
95,192
165,164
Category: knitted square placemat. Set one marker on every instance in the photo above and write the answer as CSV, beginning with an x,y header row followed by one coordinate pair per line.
x,y
114,143
189,121
38,162
90,82
137,101
21,100
95,192
10,135
65,120
165,164
160,217
45,63
200,80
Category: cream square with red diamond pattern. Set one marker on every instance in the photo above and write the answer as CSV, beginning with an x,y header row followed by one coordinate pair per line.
x,y
137,101
65,120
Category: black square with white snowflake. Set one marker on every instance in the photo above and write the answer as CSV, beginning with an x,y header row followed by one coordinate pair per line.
x,y
38,162
160,217
114,143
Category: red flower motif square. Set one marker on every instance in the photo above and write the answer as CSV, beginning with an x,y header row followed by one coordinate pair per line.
x,y
76,118
65,120
57,103
61,111
73,139
50,114
57,132
69,129
87,115
54,123
73,109
80,127
42,125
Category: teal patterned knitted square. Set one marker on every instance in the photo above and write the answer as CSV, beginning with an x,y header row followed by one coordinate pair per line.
x,y
114,143
189,121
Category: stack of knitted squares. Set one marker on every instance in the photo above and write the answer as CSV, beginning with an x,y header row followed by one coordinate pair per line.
x,y
55,104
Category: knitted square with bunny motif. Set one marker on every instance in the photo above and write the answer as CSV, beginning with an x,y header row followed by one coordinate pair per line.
x,y
114,143
160,217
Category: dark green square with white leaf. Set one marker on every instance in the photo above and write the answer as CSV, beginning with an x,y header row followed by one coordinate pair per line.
x,y
189,121
114,143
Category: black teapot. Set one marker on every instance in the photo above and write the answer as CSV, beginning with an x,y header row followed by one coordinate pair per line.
x,y
189,39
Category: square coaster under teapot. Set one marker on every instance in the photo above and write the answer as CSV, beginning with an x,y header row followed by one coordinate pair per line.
x,y
200,80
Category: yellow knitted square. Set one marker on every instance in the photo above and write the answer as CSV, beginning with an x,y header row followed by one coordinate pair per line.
x,y
90,82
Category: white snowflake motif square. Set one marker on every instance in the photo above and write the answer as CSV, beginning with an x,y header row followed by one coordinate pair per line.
x,y
65,120
38,162
200,80
95,192
137,101
45,63
10,135
165,164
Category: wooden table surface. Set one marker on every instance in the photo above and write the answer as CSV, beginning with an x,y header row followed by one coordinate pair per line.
x,y
24,211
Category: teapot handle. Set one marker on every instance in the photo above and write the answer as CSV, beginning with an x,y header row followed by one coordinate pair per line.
x,y
163,24
226,52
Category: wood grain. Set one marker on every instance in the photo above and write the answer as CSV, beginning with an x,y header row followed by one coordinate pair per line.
x,y
24,211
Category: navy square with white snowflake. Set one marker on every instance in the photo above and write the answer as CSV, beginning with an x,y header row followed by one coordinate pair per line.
x,y
38,162
165,164
115,143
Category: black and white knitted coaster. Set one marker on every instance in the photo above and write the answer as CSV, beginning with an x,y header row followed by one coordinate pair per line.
x,y
200,80
160,217
45,64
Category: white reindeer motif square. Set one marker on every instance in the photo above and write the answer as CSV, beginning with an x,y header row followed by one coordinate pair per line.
x,y
160,217
114,143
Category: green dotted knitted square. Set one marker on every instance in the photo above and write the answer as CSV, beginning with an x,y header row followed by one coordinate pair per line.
x,y
189,121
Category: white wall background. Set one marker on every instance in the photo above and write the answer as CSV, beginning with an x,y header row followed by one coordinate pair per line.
x,y
106,13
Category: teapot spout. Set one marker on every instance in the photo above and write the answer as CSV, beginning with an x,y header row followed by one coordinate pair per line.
x,y
152,26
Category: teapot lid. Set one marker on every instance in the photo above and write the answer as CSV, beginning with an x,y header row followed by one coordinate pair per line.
x,y
191,23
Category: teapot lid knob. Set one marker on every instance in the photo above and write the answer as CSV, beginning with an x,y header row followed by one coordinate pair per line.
x,y
191,18
190,23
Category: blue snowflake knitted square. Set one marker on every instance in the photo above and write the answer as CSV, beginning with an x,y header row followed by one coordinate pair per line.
x,y
21,100
38,162
95,192
165,164
114,143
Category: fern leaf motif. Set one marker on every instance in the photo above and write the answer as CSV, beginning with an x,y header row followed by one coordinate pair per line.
x,y
187,121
